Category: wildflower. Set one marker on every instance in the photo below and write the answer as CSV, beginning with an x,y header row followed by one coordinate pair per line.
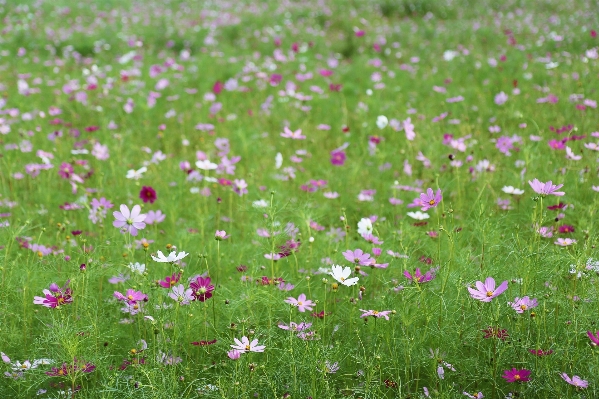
x,y
515,375
136,174
419,277
132,296
475,395
376,313
172,257
294,326
522,304
341,274
221,235
546,188
245,345
365,226
182,295
69,369
202,289
136,267
331,368
297,135
564,242
55,296
418,215
428,200
486,291
546,232
234,354
132,220
512,190
170,281
204,343
540,352
566,228
575,380
501,98
338,157
301,302
358,256
495,332
382,121
147,194
594,338
206,165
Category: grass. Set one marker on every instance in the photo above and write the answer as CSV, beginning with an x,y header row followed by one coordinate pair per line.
x,y
66,74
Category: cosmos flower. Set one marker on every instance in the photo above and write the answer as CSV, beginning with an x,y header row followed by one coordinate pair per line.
x,y
565,242
419,277
418,215
429,200
55,296
132,221
136,174
486,291
522,304
202,289
376,313
515,375
301,303
181,295
365,226
512,190
341,274
594,338
546,188
147,194
245,345
575,381
172,257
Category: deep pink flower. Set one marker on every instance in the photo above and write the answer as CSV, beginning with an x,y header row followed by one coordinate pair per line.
x,y
540,352
147,194
132,220
515,375
495,332
419,277
486,291
65,170
594,338
338,157
202,289
55,296
170,281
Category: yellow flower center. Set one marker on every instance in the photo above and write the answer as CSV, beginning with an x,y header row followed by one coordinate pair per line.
x,y
130,297
517,377
247,347
489,293
523,307
431,202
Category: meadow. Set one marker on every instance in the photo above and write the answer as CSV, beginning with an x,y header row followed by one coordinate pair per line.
x,y
299,199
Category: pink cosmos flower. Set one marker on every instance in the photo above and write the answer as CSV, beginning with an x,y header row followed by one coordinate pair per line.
x,y
202,289
419,277
522,304
376,313
429,200
358,256
182,295
245,345
55,296
221,235
170,281
338,157
132,220
486,291
575,380
234,354
301,302
297,135
132,296
515,375
565,242
295,327
546,188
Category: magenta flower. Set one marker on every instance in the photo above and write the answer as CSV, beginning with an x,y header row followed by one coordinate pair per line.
x,y
358,257
245,345
147,194
132,221
419,277
65,170
301,302
594,338
376,313
575,380
522,304
55,296
182,295
515,375
338,157
170,281
486,291
546,188
132,296
428,200
202,289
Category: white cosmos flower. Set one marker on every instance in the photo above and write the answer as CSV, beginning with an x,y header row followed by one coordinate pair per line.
x,y
260,204
341,274
136,267
382,121
512,190
136,174
365,226
418,215
206,165
278,160
172,257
